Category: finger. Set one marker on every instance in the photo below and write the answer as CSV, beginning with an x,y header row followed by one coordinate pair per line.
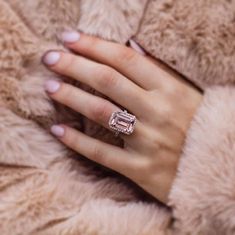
x,y
94,108
123,59
105,154
102,78
161,69
136,47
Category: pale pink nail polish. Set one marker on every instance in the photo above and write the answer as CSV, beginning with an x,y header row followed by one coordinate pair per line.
x,y
52,86
57,131
70,36
51,58
136,47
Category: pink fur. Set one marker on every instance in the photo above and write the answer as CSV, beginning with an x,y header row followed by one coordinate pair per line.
x,y
48,189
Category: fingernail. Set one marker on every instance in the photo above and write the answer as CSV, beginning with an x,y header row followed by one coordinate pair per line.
x,y
70,37
52,86
136,47
57,131
51,58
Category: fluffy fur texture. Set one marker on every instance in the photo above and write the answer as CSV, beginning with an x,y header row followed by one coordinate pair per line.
x,y
47,189
203,193
194,37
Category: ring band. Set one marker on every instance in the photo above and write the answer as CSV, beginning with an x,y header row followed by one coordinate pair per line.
x,y
122,121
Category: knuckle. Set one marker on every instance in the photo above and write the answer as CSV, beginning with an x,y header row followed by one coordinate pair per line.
x,y
156,144
175,91
101,111
146,99
126,56
142,97
92,43
97,154
71,139
65,93
164,108
154,139
175,95
66,63
106,77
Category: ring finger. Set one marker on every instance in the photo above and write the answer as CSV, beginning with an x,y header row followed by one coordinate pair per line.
x,y
93,107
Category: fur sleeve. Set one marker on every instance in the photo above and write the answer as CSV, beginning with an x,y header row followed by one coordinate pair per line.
x,y
203,194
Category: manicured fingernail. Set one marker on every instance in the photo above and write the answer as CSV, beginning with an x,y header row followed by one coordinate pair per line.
x,y
136,47
51,86
57,131
51,58
70,37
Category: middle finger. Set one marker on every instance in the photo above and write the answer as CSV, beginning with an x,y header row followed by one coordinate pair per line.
x,y
100,77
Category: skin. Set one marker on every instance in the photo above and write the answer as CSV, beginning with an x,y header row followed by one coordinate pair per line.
x,y
163,104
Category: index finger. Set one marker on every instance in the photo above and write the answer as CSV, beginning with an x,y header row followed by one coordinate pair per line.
x,y
125,60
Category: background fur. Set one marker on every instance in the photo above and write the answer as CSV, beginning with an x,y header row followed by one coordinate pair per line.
x,y
47,189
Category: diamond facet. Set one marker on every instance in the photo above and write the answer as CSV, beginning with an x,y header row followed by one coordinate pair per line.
x,y
123,122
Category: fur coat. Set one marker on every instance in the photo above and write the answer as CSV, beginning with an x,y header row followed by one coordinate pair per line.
x,y
46,189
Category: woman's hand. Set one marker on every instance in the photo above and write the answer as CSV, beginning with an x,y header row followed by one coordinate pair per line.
x,y
163,105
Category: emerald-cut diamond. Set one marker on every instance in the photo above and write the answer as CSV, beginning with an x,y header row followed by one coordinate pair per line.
x,y
123,122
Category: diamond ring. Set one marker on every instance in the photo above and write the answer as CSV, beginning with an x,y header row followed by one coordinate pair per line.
x,y
122,121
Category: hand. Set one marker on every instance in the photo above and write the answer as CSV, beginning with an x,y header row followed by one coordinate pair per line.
x,y
163,105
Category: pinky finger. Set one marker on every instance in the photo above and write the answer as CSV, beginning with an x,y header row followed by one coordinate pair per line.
x,y
105,154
